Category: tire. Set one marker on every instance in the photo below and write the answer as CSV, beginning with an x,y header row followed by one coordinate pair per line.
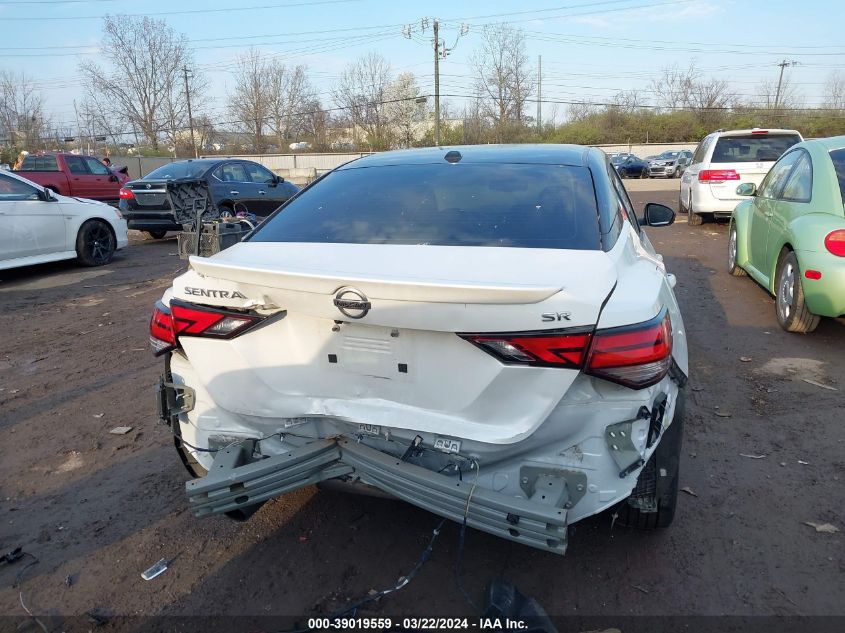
x,y
623,173
791,310
660,490
693,218
224,209
157,235
644,174
95,243
734,268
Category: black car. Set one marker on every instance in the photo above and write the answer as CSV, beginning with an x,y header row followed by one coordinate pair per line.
x,y
629,166
235,185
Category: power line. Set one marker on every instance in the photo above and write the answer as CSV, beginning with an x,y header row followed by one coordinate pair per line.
x,y
183,12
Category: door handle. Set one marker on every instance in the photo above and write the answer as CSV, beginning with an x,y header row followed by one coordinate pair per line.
x,y
263,193
234,193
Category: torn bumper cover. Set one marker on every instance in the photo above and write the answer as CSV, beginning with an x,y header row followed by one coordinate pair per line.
x,y
235,482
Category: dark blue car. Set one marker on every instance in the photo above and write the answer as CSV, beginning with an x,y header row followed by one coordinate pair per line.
x,y
235,185
629,166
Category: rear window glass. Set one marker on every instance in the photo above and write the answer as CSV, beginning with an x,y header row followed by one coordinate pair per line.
x,y
465,204
173,171
838,158
39,163
752,149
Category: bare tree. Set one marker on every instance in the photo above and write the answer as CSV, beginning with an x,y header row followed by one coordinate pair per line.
x,y
834,90
290,95
672,89
315,124
362,91
251,102
22,120
503,76
142,82
627,101
770,97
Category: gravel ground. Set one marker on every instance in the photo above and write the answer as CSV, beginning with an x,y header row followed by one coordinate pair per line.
x,y
96,509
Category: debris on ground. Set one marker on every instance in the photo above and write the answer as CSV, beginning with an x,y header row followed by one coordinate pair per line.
x,y
801,461
723,414
96,618
816,383
751,456
156,570
689,491
99,415
745,359
120,430
12,557
642,589
826,528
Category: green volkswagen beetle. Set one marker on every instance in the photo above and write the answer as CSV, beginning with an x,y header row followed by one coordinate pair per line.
x,y
789,236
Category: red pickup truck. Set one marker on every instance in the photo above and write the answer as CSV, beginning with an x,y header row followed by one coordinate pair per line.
x,y
74,175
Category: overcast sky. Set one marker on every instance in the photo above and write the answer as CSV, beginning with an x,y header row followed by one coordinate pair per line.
x,y
590,50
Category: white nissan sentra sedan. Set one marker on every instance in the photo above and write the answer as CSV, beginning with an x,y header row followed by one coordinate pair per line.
x,y
39,226
485,332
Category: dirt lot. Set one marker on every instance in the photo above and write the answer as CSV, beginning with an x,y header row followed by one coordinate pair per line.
x,y
763,455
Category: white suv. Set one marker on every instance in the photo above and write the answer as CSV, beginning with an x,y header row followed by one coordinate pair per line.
x,y
722,161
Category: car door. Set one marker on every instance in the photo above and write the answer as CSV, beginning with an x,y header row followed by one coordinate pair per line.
x,y
792,202
238,186
83,183
270,195
104,184
763,208
29,225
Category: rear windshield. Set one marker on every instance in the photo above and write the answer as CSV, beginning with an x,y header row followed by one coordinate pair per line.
x,y
465,204
39,163
178,170
838,158
752,148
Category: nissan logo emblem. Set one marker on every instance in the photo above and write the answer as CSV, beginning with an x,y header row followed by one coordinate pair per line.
x,y
352,303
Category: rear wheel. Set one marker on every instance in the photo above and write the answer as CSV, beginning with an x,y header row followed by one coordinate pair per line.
x,y
654,499
157,235
792,312
95,243
623,173
644,173
734,268
693,218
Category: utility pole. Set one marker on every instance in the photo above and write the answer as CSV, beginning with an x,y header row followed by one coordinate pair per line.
x,y
436,82
782,65
190,116
540,94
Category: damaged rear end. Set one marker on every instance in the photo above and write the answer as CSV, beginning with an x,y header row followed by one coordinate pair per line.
x,y
454,334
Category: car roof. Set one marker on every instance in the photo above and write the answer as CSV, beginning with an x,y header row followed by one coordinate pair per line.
x,y
759,130
539,154
7,172
829,144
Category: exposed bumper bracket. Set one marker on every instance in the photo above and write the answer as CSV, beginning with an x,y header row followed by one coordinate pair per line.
x,y
235,481
173,399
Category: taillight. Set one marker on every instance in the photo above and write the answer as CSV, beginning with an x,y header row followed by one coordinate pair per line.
x,y
162,336
834,242
188,319
635,356
717,175
126,194
549,348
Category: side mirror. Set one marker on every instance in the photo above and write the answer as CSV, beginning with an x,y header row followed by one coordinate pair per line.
x,y
47,196
656,214
747,189
113,178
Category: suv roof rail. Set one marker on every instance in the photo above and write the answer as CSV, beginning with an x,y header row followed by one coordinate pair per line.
x,y
717,131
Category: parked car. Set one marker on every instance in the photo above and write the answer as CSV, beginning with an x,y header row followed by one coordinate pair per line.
x,y
39,226
790,234
669,164
420,322
629,166
234,184
73,175
721,161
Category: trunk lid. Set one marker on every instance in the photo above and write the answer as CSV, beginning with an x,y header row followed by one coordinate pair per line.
x,y
400,365
751,155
